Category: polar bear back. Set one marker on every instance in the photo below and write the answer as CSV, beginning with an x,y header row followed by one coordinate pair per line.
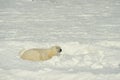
x,y
35,54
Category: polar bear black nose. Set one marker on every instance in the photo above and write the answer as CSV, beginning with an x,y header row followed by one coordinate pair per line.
x,y
60,50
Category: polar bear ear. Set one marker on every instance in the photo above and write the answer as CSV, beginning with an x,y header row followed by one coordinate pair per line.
x,y
57,47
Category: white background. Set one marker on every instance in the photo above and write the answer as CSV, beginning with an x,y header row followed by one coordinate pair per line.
x,y
87,30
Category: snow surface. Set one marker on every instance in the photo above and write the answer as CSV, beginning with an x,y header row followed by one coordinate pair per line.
x,y
87,30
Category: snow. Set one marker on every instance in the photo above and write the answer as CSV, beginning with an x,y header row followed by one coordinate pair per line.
x,y
88,32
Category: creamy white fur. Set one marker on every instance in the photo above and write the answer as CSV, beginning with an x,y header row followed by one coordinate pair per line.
x,y
37,54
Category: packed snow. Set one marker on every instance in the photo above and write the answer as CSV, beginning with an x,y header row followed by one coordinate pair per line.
x,y
88,32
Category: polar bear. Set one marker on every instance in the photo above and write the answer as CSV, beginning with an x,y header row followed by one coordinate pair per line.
x,y
37,54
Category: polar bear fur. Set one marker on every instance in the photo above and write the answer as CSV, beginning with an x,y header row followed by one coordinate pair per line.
x,y
37,54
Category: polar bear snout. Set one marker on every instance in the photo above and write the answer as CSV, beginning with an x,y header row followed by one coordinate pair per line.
x,y
60,50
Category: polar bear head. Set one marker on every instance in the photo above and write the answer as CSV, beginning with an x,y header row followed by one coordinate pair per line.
x,y
56,49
